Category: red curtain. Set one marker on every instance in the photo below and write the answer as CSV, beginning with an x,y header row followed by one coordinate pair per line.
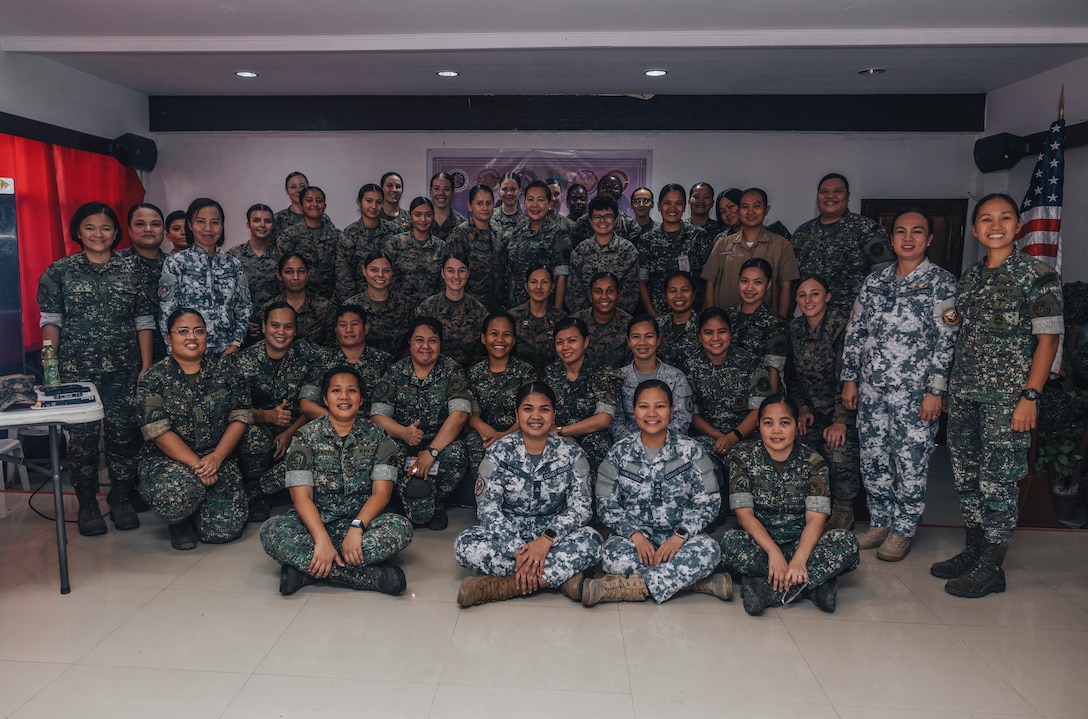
x,y
50,183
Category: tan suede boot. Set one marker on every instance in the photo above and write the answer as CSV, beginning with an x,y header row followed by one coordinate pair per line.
x,y
717,584
872,537
614,588
484,589
572,588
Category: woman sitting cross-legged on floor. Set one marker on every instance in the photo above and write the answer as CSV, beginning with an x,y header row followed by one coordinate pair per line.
x,y
534,502
778,490
656,490
340,472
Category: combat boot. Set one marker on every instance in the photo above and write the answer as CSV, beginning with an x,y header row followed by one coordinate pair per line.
x,y
139,504
957,565
387,580
122,514
824,596
985,577
89,520
439,520
842,515
718,584
483,589
572,588
292,580
614,588
894,548
260,504
183,534
758,595
872,537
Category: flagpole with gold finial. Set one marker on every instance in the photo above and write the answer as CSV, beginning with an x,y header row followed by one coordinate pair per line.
x,y
1061,104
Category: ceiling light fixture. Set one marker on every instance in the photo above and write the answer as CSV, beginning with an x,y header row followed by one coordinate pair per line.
x,y
246,73
447,73
656,73
872,71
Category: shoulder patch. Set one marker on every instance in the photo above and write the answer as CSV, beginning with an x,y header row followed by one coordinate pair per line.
x,y
481,485
951,316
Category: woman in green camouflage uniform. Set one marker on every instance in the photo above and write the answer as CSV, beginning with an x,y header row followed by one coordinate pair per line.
x,y
392,189
314,315
494,382
96,310
385,316
679,326
460,313
317,239
445,217
586,396
360,240
756,327
195,410
534,321
814,363
341,470
778,490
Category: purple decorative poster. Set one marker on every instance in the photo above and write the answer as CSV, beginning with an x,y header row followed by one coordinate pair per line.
x,y
471,167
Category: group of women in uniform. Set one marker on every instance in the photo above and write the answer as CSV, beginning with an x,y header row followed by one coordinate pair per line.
x,y
385,366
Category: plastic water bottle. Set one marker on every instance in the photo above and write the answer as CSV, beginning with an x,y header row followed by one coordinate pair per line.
x,y
50,365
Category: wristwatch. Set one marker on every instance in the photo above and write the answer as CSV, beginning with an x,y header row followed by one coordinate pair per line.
x,y
1031,394
682,532
936,392
550,534
358,523
433,452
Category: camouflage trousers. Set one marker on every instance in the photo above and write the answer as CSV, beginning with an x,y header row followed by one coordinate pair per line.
x,y
843,464
286,539
452,463
489,552
696,559
988,459
122,436
175,493
895,449
835,553
255,452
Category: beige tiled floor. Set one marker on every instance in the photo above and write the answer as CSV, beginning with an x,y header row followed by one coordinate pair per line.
x,y
148,631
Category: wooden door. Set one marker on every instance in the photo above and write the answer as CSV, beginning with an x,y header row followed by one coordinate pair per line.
x,y
949,225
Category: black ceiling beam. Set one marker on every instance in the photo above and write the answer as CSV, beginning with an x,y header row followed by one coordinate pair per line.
x,y
764,113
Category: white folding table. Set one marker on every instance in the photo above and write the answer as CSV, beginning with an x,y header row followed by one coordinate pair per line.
x,y
54,418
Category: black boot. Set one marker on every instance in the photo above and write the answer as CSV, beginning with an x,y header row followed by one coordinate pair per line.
x,y
121,511
985,577
758,595
139,504
90,515
825,595
292,580
183,534
957,565
384,579
260,504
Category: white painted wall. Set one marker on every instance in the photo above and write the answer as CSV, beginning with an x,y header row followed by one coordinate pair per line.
x,y
1030,106
41,89
240,169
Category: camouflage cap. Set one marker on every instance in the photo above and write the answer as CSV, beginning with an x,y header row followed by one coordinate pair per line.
x,y
16,389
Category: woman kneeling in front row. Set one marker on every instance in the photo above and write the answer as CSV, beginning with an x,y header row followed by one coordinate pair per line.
x,y
340,472
778,490
656,490
533,501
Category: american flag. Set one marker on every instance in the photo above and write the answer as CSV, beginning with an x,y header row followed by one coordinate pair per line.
x,y
1041,211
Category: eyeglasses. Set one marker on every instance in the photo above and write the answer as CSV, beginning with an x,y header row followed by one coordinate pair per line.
x,y
642,201
602,218
186,331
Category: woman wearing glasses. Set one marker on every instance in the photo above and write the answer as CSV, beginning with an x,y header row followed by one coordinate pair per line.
x,y
188,467
603,252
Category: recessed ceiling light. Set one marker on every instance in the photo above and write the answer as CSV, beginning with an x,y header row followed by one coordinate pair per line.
x,y
872,71
656,73
447,73
246,73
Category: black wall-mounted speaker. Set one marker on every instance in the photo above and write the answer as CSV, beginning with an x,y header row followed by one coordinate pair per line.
x,y
134,151
999,152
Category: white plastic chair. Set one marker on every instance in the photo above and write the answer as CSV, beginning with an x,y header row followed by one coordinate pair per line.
x,y
13,448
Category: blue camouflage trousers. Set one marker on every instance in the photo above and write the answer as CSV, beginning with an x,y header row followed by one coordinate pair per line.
x,y
492,553
696,559
835,553
120,430
452,463
286,539
896,446
176,493
988,459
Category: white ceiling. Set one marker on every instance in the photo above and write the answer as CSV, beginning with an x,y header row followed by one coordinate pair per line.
x,y
332,47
